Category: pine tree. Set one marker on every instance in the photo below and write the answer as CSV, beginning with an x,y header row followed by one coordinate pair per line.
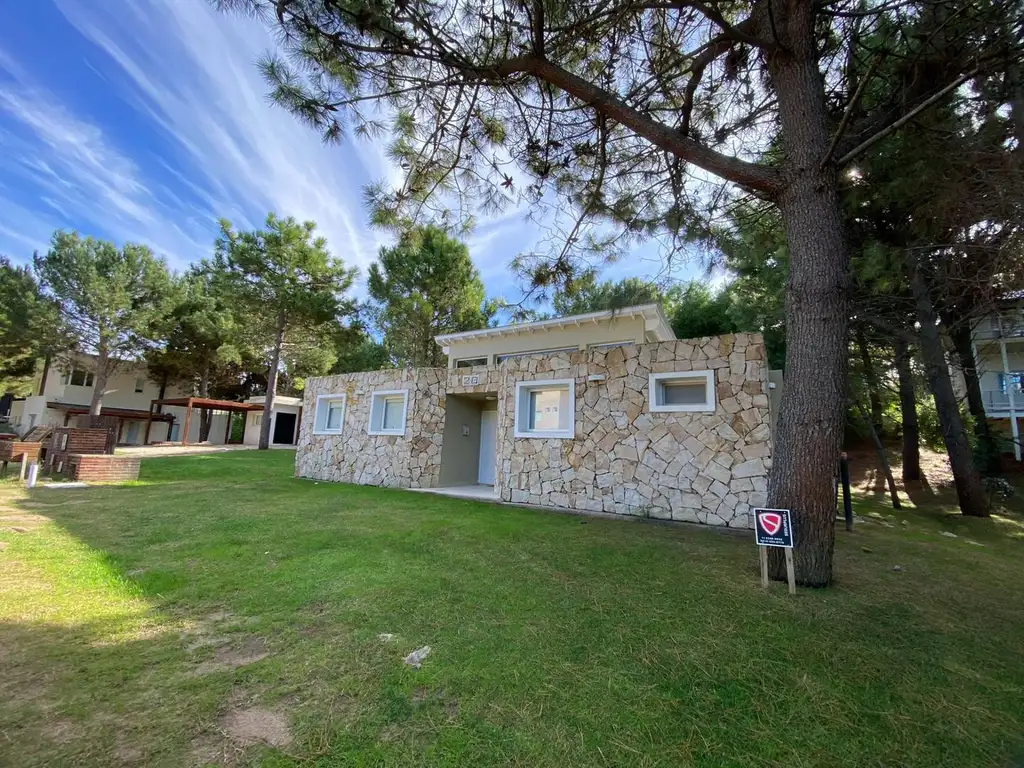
x,y
288,290
113,300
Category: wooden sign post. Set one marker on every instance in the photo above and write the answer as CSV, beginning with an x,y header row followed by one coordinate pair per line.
x,y
774,528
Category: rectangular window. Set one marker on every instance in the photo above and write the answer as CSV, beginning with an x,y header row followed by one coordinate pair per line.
x,y
140,384
610,344
330,414
545,408
1008,381
388,411
690,391
511,355
471,362
258,419
77,377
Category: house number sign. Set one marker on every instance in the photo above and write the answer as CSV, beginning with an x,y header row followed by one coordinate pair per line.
x,y
471,381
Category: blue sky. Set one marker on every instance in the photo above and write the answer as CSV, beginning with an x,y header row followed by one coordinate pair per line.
x,y
146,121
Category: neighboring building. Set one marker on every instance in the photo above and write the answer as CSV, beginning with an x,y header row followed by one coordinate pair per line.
x,y
65,392
284,427
604,412
999,356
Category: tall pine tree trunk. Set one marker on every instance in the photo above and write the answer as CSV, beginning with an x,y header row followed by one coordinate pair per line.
x,y
969,490
812,413
883,460
205,415
908,414
268,404
99,384
988,454
871,379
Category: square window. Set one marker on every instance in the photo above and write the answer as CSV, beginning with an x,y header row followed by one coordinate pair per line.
x,y
387,412
689,391
545,409
330,414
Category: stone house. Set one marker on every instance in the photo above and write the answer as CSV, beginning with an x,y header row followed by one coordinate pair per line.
x,y
605,412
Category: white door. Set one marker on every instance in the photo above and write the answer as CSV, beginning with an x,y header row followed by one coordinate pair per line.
x,y
488,440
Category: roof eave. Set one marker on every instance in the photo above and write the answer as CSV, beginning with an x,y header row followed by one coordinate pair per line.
x,y
650,312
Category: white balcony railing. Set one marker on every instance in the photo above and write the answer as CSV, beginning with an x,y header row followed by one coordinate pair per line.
x,y
1007,326
997,401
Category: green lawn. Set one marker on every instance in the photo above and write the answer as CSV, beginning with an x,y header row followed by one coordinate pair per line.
x,y
219,601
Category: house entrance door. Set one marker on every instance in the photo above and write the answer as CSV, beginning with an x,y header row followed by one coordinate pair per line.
x,y
488,443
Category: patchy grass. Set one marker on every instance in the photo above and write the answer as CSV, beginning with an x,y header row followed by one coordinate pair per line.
x,y
221,612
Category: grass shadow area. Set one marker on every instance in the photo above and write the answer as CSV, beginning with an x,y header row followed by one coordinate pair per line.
x,y
223,612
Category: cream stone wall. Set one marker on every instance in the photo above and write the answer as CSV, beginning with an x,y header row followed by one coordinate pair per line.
x,y
624,459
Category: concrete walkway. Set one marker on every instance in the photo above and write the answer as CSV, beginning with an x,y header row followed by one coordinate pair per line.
x,y
479,492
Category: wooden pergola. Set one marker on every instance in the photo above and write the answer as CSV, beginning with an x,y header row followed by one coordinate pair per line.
x,y
203,403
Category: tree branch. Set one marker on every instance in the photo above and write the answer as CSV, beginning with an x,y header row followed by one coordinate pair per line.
x,y
845,121
746,174
897,124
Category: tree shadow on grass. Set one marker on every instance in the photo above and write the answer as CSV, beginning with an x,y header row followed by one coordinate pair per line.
x,y
90,694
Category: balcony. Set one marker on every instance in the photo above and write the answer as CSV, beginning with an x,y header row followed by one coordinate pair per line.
x,y
1008,326
998,402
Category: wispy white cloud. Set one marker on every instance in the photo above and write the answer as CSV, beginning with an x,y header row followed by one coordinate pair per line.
x,y
192,72
182,135
80,175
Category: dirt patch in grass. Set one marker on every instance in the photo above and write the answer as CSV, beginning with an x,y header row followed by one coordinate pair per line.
x,y
210,749
244,724
128,754
256,725
239,653
60,731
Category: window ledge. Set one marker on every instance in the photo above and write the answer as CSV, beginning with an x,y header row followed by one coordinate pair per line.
x,y
682,408
392,432
560,434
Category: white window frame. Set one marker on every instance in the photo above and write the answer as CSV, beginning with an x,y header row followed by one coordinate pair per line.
x,y
655,381
88,377
523,389
323,401
380,395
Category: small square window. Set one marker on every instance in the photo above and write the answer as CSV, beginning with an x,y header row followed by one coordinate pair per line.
x,y
690,391
545,409
140,384
387,412
330,414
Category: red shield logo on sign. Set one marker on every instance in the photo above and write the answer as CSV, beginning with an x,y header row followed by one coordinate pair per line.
x,y
771,522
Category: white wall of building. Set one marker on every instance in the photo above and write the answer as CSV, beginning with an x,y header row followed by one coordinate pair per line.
x,y
127,387
254,419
